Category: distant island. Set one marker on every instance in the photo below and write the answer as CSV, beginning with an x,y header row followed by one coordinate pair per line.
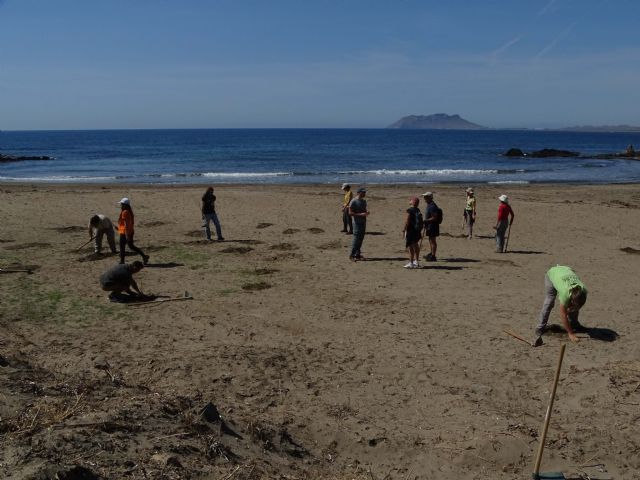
x,y
438,121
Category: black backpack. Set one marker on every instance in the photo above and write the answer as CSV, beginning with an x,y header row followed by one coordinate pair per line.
x,y
418,222
439,215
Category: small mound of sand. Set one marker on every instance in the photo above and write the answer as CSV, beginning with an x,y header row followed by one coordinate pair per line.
x,y
264,225
155,223
236,250
71,229
256,286
284,247
290,231
266,271
315,230
332,245
630,250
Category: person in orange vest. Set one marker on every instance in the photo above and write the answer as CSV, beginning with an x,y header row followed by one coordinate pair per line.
x,y
125,230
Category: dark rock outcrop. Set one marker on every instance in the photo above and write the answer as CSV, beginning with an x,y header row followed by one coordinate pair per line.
x,y
629,153
12,158
514,152
438,121
552,152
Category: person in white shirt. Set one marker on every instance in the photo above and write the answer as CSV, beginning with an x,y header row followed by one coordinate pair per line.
x,y
99,225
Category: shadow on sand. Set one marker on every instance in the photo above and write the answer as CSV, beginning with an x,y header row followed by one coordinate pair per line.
x,y
526,252
458,260
596,333
384,259
164,265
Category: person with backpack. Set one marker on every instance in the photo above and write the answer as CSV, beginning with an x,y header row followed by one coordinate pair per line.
x,y
432,221
503,222
412,231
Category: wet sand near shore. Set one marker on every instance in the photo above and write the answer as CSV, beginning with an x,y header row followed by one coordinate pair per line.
x,y
291,361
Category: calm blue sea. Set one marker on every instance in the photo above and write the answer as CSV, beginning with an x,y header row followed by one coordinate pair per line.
x,y
312,156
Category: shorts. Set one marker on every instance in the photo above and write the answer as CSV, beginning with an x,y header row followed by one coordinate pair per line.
x,y
433,230
412,238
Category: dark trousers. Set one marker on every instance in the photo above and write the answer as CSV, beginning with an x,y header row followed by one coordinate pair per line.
x,y
347,221
358,238
124,241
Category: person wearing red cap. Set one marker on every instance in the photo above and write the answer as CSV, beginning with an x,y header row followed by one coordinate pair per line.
x,y
412,231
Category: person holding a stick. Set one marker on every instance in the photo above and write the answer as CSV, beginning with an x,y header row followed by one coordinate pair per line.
x,y
562,282
504,221
100,225
413,225
470,212
125,230
119,278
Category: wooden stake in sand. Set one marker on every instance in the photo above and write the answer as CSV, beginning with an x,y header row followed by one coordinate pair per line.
x,y
536,475
506,242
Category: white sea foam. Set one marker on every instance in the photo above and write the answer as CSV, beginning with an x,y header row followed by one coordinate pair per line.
x,y
58,178
246,174
509,182
433,172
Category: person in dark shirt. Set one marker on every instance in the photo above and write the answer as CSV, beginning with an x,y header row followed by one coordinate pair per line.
x,y
119,278
359,211
209,214
431,225
412,232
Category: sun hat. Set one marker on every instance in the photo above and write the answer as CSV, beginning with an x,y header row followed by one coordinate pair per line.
x,y
427,194
362,190
503,198
345,185
469,190
124,201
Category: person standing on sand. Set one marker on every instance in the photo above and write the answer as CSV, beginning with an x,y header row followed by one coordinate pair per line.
x,y
563,283
470,212
125,230
209,214
347,224
119,278
358,210
503,222
99,225
412,231
431,225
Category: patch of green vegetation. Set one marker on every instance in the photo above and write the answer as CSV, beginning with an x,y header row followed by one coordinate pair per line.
x,y
193,259
31,301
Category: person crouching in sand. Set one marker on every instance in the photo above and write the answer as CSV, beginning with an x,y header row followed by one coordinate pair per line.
x,y
119,278
562,282
413,225
99,226
125,230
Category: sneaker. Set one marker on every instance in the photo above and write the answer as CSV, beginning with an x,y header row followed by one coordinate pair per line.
x,y
416,264
220,239
540,331
409,265
145,259
343,231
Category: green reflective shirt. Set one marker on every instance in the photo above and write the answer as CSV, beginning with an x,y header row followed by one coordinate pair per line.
x,y
564,280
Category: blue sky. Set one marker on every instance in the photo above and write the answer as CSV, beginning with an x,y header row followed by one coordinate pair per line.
x,y
84,64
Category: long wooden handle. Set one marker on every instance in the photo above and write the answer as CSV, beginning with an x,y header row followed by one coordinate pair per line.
x,y
518,337
547,418
84,244
148,302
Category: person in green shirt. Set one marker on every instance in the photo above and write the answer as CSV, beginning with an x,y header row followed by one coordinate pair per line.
x,y
561,282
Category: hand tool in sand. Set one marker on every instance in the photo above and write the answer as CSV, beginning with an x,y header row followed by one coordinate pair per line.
x,y
536,475
160,300
85,244
537,342
15,270
506,242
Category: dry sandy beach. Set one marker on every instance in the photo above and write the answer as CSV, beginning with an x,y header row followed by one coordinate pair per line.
x,y
319,367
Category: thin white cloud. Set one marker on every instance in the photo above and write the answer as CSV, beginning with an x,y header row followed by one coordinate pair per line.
x,y
551,45
546,8
506,46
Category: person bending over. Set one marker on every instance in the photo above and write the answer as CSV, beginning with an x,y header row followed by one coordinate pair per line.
x,y
562,282
99,225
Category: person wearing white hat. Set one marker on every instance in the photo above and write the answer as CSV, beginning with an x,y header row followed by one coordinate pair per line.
x,y
125,230
505,219
470,212
347,222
